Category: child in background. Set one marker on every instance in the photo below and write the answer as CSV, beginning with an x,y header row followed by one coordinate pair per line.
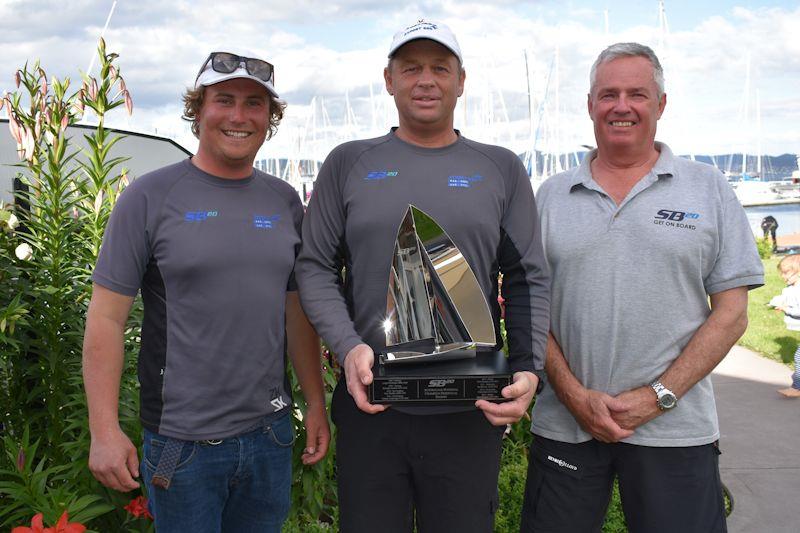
x,y
789,302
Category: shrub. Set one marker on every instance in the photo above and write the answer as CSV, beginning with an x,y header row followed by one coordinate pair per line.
x,y
764,248
314,500
513,473
44,289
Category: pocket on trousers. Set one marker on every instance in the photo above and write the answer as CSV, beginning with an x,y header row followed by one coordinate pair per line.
x,y
154,445
281,432
555,459
533,489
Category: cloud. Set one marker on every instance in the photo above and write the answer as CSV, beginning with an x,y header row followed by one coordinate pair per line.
x,y
332,54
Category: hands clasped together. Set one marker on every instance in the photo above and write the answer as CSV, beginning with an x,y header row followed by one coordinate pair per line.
x,y
613,418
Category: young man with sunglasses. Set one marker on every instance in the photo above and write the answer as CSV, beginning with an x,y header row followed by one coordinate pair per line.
x,y
431,467
211,242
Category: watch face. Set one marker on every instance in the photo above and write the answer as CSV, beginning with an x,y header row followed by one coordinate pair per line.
x,y
667,401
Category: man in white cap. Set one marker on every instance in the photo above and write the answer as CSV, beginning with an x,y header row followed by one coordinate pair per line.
x,y
211,242
430,467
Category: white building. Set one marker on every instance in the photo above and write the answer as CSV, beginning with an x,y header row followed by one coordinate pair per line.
x,y
146,153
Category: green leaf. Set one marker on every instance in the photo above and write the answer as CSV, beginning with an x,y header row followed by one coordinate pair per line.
x,y
87,512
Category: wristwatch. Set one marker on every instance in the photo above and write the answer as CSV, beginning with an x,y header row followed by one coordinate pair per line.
x,y
666,398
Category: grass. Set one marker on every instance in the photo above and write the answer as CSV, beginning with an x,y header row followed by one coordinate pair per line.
x,y
766,333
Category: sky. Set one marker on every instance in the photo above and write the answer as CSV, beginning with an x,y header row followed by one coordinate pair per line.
x,y
527,64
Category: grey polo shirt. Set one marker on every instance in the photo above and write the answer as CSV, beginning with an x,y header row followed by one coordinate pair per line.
x,y
630,285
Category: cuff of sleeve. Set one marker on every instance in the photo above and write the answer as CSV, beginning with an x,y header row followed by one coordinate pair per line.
x,y
344,348
751,282
542,380
125,290
523,362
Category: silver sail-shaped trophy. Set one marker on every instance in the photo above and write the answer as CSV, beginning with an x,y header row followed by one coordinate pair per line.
x,y
436,317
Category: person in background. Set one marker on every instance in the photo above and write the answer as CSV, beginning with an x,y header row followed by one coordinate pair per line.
x,y
788,301
770,227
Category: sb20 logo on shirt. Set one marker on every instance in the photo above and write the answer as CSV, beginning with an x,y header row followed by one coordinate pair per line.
x,y
377,175
677,216
199,216
675,219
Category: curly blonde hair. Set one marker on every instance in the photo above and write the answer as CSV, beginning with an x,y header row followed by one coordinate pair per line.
x,y
790,263
193,101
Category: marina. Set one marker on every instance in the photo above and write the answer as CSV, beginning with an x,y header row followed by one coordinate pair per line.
x,y
210,244
766,193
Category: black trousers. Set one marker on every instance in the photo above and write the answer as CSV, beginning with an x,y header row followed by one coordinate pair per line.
x,y
395,470
665,490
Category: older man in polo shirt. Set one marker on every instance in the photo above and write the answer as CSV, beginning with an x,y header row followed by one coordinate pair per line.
x,y
638,241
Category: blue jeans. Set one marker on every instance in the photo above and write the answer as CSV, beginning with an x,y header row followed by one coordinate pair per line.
x,y
239,484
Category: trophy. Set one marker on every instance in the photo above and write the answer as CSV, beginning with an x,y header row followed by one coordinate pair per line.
x,y
436,317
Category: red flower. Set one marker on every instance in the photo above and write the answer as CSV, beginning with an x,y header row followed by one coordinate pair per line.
x,y
138,508
37,526
64,527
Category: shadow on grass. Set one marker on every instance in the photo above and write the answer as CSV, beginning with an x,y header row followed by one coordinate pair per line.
x,y
788,345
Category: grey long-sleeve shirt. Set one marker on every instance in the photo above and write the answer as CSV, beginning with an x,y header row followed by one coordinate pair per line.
x,y
479,194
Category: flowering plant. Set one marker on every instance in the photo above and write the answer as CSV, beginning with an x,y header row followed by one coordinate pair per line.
x,y
138,508
62,526
49,240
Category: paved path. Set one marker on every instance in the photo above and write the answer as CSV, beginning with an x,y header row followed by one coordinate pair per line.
x,y
792,239
760,442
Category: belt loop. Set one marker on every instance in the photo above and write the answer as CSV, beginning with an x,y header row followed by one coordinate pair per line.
x,y
167,463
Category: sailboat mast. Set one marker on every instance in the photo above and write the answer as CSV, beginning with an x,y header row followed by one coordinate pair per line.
x,y
531,158
758,132
746,116
102,33
557,130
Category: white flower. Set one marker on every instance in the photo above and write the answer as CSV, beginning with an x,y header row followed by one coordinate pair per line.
x,y
24,251
8,220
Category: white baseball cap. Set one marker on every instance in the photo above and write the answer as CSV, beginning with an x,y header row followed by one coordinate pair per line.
x,y
434,31
232,62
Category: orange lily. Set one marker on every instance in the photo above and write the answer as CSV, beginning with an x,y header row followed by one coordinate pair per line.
x,y
63,526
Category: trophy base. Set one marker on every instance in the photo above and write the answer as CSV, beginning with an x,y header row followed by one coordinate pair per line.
x,y
480,376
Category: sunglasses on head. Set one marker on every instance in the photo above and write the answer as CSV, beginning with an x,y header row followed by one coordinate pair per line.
x,y
225,63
